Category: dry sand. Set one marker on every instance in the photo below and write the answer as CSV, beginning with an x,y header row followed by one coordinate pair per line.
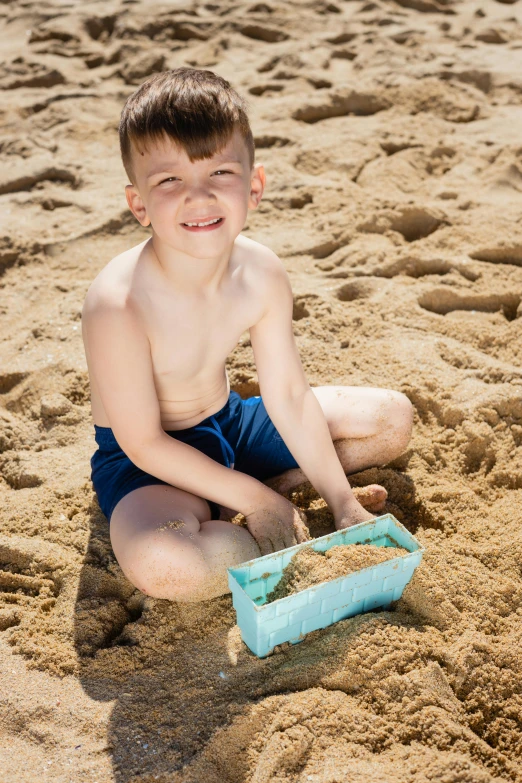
x,y
390,133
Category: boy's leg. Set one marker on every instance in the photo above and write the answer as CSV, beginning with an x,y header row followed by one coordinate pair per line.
x,y
168,547
369,427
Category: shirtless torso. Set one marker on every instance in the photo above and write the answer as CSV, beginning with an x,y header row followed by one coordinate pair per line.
x,y
190,337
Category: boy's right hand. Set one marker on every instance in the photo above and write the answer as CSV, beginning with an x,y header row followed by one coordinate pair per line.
x,y
277,524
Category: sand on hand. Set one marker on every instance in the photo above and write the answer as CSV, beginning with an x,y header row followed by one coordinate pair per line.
x,y
308,567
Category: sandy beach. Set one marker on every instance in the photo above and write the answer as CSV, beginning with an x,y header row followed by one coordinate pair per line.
x,y
390,132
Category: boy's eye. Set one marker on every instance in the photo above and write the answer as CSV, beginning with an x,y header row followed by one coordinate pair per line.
x,y
171,179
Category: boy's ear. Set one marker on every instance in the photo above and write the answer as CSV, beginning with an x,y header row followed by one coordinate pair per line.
x,y
257,184
136,205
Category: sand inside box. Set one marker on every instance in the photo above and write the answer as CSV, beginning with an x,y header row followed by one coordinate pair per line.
x,y
308,567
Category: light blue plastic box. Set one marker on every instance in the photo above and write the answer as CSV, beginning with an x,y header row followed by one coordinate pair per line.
x,y
289,619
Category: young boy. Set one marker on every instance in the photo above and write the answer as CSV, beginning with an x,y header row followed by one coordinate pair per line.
x,y
178,451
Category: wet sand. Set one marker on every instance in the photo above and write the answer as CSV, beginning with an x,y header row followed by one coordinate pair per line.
x,y
390,135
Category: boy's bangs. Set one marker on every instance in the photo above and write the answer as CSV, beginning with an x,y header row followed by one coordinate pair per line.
x,y
204,147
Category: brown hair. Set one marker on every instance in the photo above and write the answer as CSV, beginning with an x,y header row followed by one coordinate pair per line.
x,y
197,108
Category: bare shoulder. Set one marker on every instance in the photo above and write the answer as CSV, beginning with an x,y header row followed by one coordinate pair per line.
x,y
257,257
262,266
111,292
265,275
112,286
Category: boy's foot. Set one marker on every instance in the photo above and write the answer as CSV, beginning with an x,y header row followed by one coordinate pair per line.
x,y
372,497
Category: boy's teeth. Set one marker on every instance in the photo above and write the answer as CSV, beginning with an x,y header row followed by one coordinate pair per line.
x,y
203,224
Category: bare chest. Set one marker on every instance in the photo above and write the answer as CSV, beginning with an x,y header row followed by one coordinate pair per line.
x,y
190,340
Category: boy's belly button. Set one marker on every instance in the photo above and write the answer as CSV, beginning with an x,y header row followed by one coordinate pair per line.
x,y
191,419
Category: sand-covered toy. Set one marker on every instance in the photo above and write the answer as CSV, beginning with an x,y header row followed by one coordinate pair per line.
x,y
266,620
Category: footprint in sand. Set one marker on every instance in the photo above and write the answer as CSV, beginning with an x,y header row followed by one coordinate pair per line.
x,y
265,33
492,35
261,89
8,380
101,623
417,267
267,141
137,69
361,288
29,578
100,27
482,80
503,254
21,73
453,102
57,38
19,473
407,166
341,103
445,300
310,306
413,223
26,175
52,31
479,365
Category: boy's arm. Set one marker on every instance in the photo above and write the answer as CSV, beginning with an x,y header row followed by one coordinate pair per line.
x,y
286,393
119,357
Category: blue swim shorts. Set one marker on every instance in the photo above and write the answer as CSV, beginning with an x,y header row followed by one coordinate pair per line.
x,y
240,435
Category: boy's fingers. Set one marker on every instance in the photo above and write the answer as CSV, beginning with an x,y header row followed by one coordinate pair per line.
x,y
278,536
265,546
283,541
290,539
302,534
285,535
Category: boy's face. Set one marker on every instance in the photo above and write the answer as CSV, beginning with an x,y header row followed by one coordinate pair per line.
x,y
170,191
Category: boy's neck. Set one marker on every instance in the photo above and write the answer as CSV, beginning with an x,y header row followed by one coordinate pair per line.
x,y
188,275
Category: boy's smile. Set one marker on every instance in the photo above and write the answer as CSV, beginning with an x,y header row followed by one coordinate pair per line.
x,y
170,192
207,224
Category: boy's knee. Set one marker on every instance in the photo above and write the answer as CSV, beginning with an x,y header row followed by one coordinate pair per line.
x,y
404,423
406,407
397,424
160,570
401,411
